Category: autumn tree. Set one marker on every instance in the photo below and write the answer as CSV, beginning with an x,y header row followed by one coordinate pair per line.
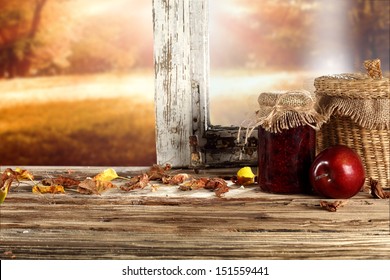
x,y
41,37
19,28
34,36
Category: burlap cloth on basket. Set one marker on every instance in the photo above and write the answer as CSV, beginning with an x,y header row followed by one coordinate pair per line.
x,y
364,99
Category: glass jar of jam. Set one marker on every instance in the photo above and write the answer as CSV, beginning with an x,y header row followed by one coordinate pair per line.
x,y
285,159
287,140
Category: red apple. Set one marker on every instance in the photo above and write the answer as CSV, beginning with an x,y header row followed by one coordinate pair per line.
x,y
337,172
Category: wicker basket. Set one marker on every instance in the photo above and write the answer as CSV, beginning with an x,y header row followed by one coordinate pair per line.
x,y
357,107
371,144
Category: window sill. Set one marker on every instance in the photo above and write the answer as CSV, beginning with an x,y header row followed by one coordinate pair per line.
x,y
171,224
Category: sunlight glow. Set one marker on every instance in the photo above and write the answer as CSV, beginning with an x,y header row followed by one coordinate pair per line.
x,y
331,54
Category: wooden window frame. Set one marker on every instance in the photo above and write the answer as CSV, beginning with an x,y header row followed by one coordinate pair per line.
x,y
184,135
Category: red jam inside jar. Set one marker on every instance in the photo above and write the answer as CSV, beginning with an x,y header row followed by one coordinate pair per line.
x,y
285,159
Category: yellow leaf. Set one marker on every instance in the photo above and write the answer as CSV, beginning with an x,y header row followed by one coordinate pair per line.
x,y
4,189
23,174
48,189
107,175
245,176
3,194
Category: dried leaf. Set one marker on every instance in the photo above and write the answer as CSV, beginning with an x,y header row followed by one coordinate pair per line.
x,y
377,191
5,183
91,186
48,189
157,172
61,180
218,185
244,177
4,190
23,174
9,255
333,206
138,182
107,175
193,184
176,179
8,174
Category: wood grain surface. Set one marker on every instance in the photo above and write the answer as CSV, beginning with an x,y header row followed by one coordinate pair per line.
x,y
166,223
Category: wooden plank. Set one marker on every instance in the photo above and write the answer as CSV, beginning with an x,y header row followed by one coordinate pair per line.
x,y
171,224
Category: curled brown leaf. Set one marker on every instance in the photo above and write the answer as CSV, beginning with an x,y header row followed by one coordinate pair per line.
x,y
193,184
91,186
157,172
176,179
334,205
218,185
377,191
137,182
66,182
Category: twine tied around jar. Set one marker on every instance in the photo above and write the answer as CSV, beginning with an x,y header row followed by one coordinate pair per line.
x,y
280,110
373,68
287,109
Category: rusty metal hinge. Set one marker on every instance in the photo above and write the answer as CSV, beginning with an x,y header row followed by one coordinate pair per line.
x,y
196,158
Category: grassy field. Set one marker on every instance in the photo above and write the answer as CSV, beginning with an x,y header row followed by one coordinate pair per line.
x,y
108,119
101,131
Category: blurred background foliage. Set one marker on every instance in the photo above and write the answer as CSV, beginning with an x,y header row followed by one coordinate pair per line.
x,y
52,52
51,37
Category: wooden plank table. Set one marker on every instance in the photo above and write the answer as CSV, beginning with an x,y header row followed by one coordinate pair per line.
x,y
167,223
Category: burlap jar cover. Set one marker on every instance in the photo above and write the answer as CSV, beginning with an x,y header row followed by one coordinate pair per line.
x,y
357,109
279,110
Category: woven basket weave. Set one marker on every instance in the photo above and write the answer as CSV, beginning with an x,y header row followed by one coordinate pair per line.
x,y
357,108
371,144
358,86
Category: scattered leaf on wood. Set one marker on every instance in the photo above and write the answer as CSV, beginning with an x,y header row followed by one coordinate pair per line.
x,y
6,180
23,174
157,172
244,177
137,182
55,189
193,184
218,185
176,179
8,173
4,189
9,254
107,175
61,180
333,206
377,191
91,186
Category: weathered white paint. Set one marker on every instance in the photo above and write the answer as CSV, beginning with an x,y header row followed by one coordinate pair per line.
x,y
181,53
181,57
